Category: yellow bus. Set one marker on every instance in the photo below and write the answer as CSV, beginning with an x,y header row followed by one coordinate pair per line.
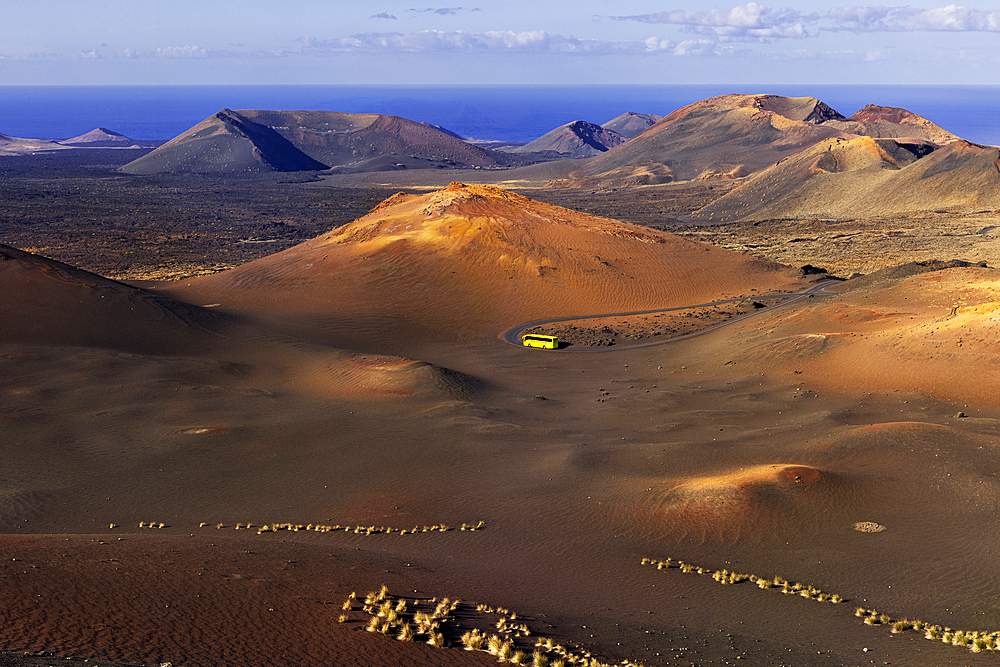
x,y
545,342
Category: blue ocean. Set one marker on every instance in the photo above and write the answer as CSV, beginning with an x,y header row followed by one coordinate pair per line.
x,y
507,113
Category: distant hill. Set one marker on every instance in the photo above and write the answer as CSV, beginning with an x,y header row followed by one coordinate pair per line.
x,y
892,123
723,137
734,136
865,177
264,140
226,142
576,139
100,138
631,124
472,260
18,146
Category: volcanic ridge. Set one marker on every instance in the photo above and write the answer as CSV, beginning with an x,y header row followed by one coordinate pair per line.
x,y
262,140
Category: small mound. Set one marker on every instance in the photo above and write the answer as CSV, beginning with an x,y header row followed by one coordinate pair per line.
x,y
799,347
357,375
755,503
884,277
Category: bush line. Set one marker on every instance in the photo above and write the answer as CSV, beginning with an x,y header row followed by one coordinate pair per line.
x,y
434,621
976,640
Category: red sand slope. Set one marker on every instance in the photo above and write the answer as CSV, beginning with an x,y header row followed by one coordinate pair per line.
x,y
936,333
732,136
474,260
723,137
43,301
866,177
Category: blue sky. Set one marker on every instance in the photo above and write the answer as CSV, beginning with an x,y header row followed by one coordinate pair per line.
x,y
504,41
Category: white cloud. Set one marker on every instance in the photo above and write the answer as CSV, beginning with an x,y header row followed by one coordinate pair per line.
x,y
749,21
950,18
496,41
696,47
181,52
91,54
755,21
443,11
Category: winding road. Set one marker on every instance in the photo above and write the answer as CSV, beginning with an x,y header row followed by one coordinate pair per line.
x,y
513,335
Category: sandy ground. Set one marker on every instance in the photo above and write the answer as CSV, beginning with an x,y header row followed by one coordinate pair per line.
x,y
757,448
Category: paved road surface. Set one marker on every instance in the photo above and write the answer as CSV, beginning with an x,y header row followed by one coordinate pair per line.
x,y
513,335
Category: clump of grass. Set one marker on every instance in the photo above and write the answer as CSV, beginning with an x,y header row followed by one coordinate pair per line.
x,y
435,638
539,659
373,624
405,633
474,640
932,632
860,611
342,618
902,625
506,652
